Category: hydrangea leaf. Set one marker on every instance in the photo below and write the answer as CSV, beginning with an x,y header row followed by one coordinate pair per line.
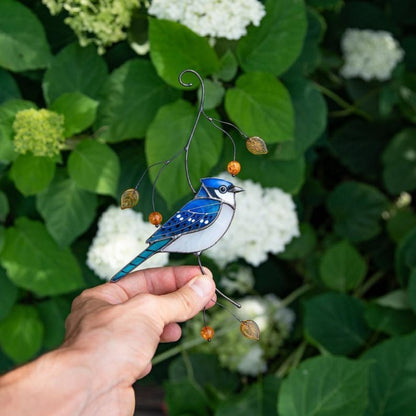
x,y
23,43
8,294
131,97
21,333
8,87
411,289
32,174
399,224
228,66
34,262
336,322
392,377
95,167
325,385
342,267
260,105
302,246
53,313
8,113
356,209
399,162
74,69
78,109
68,211
175,48
277,42
167,134
406,257
4,206
310,119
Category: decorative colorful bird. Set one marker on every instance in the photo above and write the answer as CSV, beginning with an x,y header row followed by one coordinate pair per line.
x,y
197,226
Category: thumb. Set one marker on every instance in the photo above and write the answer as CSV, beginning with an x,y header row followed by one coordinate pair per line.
x,y
187,301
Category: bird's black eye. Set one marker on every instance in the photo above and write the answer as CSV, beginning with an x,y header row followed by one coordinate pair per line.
x,y
222,189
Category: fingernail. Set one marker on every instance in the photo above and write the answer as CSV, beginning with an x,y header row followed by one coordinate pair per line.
x,y
202,286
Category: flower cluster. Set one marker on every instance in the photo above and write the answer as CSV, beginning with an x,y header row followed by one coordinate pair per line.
x,y
369,54
40,132
120,237
264,222
101,22
215,18
238,280
245,356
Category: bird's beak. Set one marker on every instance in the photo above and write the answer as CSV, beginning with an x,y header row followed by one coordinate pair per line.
x,y
236,189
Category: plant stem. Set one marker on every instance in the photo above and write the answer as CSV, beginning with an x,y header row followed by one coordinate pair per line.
x,y
292,360
295,294
371,281
348,108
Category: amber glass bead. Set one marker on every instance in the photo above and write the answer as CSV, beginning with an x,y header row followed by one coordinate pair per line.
x,y
129,198
250,329
256,145
234,167
155,218
207,333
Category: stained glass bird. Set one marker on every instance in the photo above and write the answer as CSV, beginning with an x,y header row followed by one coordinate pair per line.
x,y
197,226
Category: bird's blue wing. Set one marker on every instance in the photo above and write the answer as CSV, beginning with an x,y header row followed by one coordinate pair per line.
x,y
195,215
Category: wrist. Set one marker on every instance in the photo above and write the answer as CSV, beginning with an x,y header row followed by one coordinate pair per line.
x,y
57,383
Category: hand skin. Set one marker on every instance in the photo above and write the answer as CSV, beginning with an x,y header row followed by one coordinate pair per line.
x,y
112,333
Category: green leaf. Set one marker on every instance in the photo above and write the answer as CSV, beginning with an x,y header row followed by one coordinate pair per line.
x,y
168,133
342,267
32,174
74,69
389,320
392,377
399,162
260,105
259,399
207,372
23,44
326,4
228,67
411,290
21,333
78,109
132,95
8,294
68,211
356,209
400,223
8,112
4,206
175,48
95,167
302,246
310,119
53,313
406,257
324,386
276,43
33,260
214,94
8,87
336,322
184,398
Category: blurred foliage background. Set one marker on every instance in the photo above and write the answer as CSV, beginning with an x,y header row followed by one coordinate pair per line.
x,y
89,97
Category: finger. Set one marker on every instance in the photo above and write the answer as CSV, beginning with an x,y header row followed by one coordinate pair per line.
x,y
158,281
171,333
187,301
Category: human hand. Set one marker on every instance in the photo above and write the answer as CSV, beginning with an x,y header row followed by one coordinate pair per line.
x,y
112,334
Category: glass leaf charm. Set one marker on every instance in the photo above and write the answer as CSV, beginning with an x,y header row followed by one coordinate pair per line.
x,y
250,329
256,145
129,198
155,218
234,167
207,333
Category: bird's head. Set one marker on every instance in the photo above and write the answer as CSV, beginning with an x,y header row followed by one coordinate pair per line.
x,y
219,189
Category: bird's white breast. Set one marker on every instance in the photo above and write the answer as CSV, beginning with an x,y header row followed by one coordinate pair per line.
x,y
200,240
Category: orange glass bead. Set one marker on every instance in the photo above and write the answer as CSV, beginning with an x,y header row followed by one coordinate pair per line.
x,y
250,329
234,167
207,333
155,218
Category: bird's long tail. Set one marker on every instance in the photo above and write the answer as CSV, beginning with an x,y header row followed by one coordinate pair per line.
x,y
140,258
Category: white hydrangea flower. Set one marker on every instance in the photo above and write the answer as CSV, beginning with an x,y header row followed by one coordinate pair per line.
x,y
369,54
252,363
121,235
265,221
216,18
238,281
